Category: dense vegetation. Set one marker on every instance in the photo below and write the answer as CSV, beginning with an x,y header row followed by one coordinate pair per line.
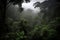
x,y
21,29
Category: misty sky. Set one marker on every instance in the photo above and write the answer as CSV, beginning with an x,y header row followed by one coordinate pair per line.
x,y
27,6
29,9
30,6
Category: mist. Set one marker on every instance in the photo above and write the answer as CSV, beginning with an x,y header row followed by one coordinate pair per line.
x,y
29,10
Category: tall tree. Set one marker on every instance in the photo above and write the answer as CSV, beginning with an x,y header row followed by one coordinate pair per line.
x,y
3,6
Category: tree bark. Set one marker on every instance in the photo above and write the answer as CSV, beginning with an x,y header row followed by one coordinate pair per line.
x,y
3,27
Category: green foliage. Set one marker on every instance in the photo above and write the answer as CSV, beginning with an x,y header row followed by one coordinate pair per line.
x,y
20,35
44,31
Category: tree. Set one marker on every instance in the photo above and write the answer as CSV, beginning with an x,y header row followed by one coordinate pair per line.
x,y
3,6
47,8
50,14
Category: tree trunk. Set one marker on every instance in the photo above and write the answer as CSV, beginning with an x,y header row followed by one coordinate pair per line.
x,y
3,27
